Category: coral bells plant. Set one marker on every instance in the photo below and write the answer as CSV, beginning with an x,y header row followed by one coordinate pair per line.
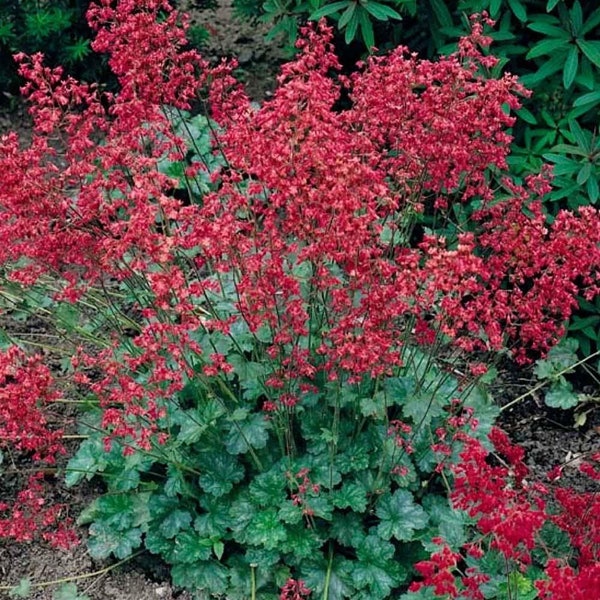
x,y
280,315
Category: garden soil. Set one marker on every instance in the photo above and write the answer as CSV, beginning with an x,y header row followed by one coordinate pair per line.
x,y
549,437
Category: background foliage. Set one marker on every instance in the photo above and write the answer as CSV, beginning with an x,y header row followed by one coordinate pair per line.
x,y
59,29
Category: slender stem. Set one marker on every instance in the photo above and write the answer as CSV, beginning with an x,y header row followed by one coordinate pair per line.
x,y
253,582
78,577
328,575
545,382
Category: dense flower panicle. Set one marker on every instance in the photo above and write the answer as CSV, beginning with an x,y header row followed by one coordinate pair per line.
x,y
567,583
438,573
26,391
444,126
147,54
30,516
507,512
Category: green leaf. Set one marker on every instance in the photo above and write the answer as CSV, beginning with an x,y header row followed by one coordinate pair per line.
x,y
68,591
571,66
7,33
526,115
366,29
192,426
21,590
266,530
218,548
329,9
584,173
154,542
373,406
347,529
219,472
121,479
399,516
380,11
550,30
90,459
174,522
351,29
67,315
518,10
190,547
290,513
424,593
264,559
553,541
347,15
569,149
353,495
592,189
579,323
552,4
209,576
517,585
302,542
104,541
444,522
422,409
376,568
562,395
591,50
576,17
268,488
356,458
441,12
252,432
175,483
559,358
591,98
78,50
214,518
591,23
583,138
551,66
241,513
316,572
251,376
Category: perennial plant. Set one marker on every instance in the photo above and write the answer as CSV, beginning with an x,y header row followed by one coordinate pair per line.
x,y
284,369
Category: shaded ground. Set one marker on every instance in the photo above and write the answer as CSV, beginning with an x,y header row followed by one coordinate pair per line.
x,y
549,437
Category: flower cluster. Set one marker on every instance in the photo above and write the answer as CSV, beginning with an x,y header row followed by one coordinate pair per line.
x,y
294,590
26,391
510,513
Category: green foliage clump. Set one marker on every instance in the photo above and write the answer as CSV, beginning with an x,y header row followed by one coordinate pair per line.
x,y
57,28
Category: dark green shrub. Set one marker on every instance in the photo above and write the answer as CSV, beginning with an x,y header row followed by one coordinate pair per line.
x,y
57,28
